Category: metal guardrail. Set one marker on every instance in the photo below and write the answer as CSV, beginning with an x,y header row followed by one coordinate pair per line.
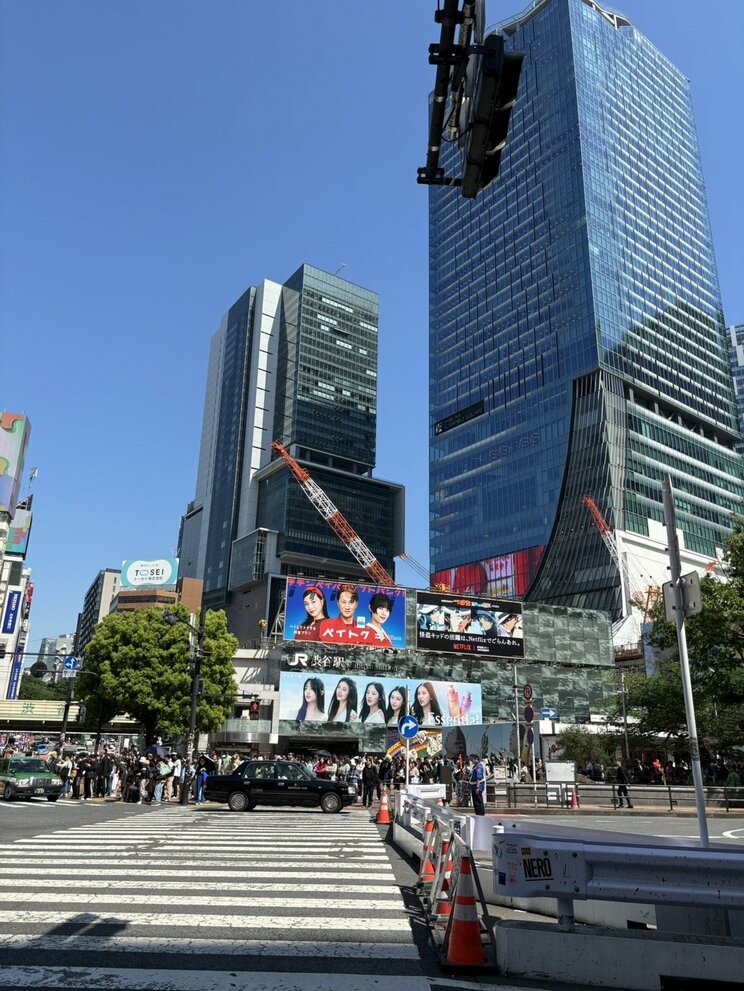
x,y
534,861
507,795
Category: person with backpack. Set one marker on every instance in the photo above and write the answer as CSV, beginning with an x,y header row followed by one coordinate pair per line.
x,y
163,770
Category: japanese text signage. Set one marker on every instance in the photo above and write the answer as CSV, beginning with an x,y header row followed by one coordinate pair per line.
x,y
354,615
468,625
11,612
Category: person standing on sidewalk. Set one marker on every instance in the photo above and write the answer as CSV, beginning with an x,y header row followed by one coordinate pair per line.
x,y
622,785
370,781
477,783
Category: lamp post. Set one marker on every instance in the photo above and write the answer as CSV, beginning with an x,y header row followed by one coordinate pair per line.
x,y
196,639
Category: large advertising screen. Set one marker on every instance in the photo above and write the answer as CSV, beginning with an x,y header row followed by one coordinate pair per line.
x,y
324,697
19,532
336,613
509,575
149,574
15,430
461,624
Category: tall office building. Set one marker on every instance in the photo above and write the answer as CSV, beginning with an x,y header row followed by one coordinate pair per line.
x,y
736,352
294,362
97,604
577,341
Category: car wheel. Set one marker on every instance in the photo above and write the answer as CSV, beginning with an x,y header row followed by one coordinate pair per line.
x,y
330,802
251,806
237,801
8,794
52,798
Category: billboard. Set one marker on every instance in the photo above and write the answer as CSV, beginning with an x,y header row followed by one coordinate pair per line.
x,y
498,739
461,624
339,613
328,697
149,574
509,575
15,430
19,532
12,609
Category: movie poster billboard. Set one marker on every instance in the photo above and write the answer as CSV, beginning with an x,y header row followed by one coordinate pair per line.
x,y
345,614
466,625
324,696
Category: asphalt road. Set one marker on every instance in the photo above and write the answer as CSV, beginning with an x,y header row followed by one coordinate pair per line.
x,y
132,898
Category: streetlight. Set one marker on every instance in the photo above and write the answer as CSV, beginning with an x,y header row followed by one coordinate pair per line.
x,y
195,655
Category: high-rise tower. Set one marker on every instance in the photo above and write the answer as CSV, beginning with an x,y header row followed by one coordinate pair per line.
x,y
577,341
294,362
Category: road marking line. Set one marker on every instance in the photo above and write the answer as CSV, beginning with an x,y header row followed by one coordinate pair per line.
x,y
359,873
115,899
222,947
316,922
95,978
291,884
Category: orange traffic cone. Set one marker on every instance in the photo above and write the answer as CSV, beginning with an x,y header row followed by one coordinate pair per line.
x,y
426,870
464,946
574,799
383,816
443,907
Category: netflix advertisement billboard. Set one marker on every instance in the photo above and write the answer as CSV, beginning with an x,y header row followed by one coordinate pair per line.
x,y
469,625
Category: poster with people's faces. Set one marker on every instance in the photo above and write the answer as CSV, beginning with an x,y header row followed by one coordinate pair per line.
x,y
370,701
341,614
461,624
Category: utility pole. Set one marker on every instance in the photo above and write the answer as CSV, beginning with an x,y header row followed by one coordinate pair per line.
x,y
625,718
516,719
195,650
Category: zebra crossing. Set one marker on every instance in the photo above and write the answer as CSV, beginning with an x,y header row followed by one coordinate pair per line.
x,y
180,899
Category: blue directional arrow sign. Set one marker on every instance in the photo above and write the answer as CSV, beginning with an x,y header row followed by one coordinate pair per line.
x,y
408,727
70,663
549,713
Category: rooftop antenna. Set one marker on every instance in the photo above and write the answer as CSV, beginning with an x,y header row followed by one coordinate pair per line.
x,y
340,268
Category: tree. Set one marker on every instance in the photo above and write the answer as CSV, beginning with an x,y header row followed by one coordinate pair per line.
x,y
137,664
715,646
580,746
33,689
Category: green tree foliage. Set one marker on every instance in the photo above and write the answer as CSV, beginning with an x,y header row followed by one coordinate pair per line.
x,y
138,664
715,646
580,746
38,691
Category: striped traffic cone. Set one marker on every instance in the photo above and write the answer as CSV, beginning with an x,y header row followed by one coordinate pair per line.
x,y
383,816
443,907
426,869
464,947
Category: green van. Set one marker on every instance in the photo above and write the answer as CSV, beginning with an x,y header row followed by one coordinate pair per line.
x,y
26,777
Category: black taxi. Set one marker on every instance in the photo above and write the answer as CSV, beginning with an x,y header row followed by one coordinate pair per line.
x,y
276,782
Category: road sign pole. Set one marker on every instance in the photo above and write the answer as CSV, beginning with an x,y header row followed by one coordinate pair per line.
x,y
675,570
408,760
516,716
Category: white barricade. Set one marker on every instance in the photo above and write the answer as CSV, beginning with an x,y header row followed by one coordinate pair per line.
x,y
529,861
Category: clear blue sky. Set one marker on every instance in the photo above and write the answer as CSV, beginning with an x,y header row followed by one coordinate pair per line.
x,y
158,158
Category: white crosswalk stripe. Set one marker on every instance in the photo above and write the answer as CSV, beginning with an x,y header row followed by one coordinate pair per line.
x,y
185,899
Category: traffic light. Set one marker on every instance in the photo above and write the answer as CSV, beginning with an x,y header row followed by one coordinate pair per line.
x,y
496,85
253,710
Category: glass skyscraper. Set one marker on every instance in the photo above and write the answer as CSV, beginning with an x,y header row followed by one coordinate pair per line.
x,y
736,351
294,362
577,341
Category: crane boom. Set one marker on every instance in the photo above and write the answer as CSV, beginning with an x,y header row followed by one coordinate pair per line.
x,y
335,519
610,542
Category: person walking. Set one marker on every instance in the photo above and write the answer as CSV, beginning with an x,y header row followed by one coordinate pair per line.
x,y
477,784
622,785
370,782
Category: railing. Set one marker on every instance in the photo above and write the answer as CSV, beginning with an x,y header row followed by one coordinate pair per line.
x,y
536,860
507,795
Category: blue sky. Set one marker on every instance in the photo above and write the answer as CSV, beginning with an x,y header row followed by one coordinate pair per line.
x,y
159,158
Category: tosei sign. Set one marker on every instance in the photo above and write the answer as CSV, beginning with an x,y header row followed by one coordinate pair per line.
x,y
149,574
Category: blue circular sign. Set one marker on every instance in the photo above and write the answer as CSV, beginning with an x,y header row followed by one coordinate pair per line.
x,y
408,727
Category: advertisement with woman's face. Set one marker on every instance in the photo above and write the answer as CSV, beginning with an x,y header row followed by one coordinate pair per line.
x,y
373,700
355,615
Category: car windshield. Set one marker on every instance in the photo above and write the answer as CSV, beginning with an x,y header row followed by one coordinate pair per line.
x,y
27,764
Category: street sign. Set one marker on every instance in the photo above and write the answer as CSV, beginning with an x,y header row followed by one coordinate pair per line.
x,y
529,713
69,674
70,664
548,713
408,727
527,692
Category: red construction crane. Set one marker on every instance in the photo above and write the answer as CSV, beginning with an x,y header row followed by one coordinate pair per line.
x,y
335,519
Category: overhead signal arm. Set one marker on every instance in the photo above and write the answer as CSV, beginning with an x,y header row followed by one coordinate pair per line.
x,y
335,519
